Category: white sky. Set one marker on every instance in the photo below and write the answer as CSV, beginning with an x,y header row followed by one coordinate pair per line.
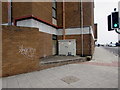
x,y
103,8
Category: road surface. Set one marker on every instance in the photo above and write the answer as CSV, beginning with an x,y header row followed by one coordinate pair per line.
x,y
114,50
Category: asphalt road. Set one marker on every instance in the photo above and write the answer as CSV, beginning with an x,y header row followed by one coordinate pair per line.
x,y
114,50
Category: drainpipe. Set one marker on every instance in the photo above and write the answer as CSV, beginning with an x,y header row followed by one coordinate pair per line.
x,y
9,12
63,20
90,47
82,29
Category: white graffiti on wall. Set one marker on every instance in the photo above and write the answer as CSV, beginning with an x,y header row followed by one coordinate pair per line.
x,y
28,52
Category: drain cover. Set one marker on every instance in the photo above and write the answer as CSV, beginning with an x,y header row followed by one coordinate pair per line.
x,y
70,79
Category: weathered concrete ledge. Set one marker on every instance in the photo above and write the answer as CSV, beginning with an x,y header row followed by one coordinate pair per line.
x,y
54,61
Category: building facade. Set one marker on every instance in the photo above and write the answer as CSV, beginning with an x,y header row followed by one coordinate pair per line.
x,y
51,15
47,17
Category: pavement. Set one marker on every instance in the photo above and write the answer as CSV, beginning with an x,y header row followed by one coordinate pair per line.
x,y
100,72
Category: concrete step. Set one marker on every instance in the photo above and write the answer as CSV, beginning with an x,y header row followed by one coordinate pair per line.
x,y
62,59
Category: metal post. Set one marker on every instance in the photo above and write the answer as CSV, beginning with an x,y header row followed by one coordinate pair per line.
x,y
82,28
117,30
63,20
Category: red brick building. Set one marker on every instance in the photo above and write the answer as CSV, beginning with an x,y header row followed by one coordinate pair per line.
x,y
47,17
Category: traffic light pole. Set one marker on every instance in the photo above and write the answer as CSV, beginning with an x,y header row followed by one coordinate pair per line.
x,y
117,31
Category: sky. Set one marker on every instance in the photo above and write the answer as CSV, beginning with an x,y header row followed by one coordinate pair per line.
x,y
103,8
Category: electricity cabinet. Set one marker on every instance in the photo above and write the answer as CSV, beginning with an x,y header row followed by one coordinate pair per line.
x,y
67,47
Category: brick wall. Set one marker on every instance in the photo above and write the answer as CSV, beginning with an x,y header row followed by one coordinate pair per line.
x,y
73,14
88,45
45,41
22,49
59,14
73,19
4,12
92,45
20,9
88,14
41,10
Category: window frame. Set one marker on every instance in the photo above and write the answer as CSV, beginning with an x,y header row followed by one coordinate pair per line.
x,y
54,9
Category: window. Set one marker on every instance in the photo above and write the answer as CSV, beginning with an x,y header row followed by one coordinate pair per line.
x,y
54,9
54,13
54,37
54,4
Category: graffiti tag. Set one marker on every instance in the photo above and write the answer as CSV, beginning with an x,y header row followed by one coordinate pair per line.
x,y
28,52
